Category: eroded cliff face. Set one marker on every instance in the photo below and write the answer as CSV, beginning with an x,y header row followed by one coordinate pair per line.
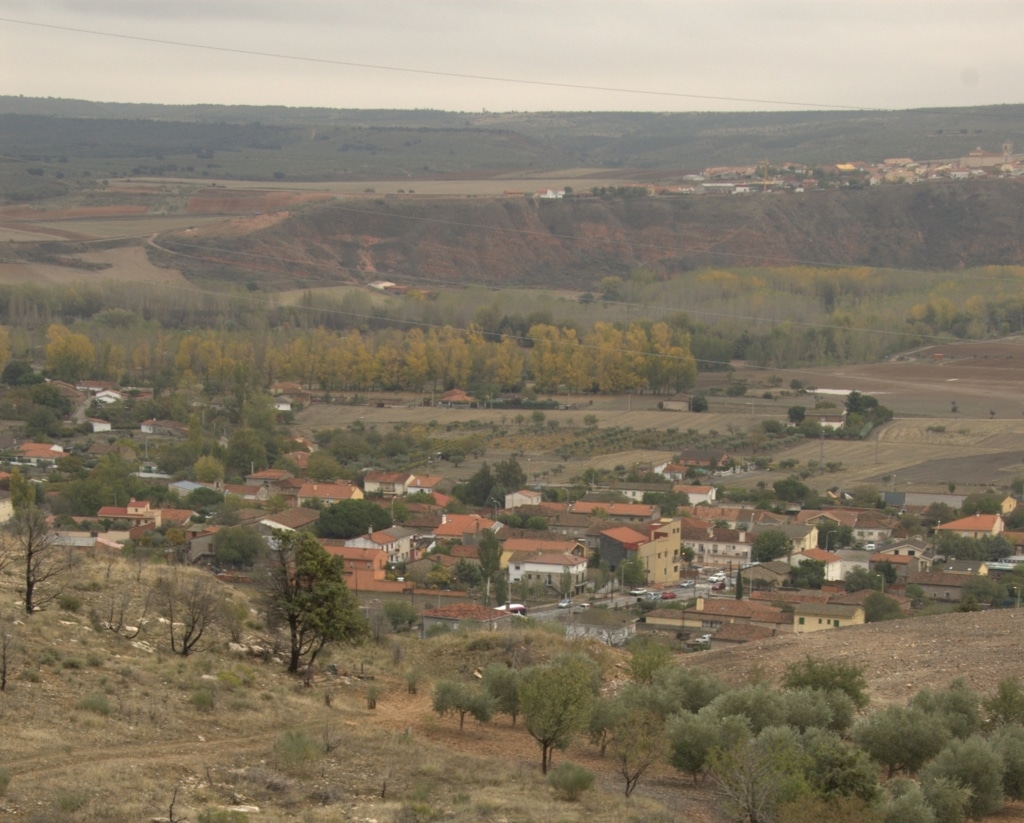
x,y
573,243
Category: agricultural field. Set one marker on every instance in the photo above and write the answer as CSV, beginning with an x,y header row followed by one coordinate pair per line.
x,y
927,445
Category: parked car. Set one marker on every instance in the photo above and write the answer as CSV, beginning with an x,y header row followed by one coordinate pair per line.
x,y
667,595
651,596
565,603
717,577
687,584
581,607
637,592
704,638
719,586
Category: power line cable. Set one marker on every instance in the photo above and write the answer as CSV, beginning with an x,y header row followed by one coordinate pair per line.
x,y
430,72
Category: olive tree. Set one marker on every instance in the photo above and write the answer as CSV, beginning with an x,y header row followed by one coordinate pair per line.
x,y
556,700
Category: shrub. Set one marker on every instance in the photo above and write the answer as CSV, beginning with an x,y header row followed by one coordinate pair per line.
x,y
72,663
570,780
222,816
95,703
202,700
294,750
70,800
69,602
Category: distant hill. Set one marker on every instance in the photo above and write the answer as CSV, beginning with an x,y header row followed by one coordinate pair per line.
x,y
337,144
573,243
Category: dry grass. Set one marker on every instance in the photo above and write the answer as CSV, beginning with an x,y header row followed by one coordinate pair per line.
x,y
98,727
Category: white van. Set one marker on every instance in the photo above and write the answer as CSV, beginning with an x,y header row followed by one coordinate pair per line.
x,y
512,608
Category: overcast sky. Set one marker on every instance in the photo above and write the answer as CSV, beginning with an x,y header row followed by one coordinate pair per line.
x,y
653,55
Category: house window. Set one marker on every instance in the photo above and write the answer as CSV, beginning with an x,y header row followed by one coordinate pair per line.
x,y
837,624
801,621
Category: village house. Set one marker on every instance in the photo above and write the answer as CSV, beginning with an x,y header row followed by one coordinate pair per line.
x,y
387,484
975,526
40,453
327,493
433,484
802,537
816,617
833,562
619,512
717,548
523,497
166,428
464,616
362,567
697,494
267,477
290,520
945,587
768,576
396,542
137,512
562,573
98,425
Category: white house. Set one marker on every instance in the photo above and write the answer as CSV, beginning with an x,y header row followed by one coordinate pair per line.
x,y
523,497
98,425
553,570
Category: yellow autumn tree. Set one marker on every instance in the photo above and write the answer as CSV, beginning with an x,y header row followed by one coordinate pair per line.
x,y
69,356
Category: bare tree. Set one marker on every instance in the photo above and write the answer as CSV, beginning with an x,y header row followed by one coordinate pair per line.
x,y
34,543
6,650
192,604
125,610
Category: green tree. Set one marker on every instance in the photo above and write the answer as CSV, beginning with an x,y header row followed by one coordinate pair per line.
x,y
1006,706
556,701
647,655
502,683
638,743
306,590
900,738
632,571
975,764
489,553
957,706
878,607
509,475
458,698
322,467
761,706
208,469
809,574
859,578
401,615
829,676
791,489
238,547
835,769
351,518
246,451
1008,743
693,738
466,574
769,545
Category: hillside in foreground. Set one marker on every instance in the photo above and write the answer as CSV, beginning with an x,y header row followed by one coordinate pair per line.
x,y
98,727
